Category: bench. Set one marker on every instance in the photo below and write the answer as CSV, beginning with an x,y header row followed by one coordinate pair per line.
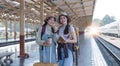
x,y
7,58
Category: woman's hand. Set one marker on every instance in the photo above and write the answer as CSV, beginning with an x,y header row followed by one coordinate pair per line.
x,y
63,42
66,41
55,26
47,42
55,29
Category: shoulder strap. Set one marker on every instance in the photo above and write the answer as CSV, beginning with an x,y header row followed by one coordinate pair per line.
x,y
43,30
70,34
76,31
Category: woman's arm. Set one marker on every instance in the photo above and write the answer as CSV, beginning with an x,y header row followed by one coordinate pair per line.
x,y
73,35
73,40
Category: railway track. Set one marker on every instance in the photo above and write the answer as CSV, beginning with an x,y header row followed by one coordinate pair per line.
x,y
2,44
110,52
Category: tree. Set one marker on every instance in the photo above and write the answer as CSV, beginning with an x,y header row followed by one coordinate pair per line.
x,y
97,21
108,19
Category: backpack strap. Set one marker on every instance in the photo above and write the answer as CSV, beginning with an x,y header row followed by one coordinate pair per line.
x,y
69,32
42,32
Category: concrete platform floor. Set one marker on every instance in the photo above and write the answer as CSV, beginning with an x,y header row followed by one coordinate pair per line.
x,y
90,54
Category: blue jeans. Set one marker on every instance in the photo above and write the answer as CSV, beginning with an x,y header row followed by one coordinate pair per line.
x,y
66,61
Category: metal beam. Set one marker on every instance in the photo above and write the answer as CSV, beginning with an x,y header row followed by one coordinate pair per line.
x,y
70,8
54,8
72,4
9,6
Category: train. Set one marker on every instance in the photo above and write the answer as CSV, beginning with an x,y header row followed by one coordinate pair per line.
x,y
111,29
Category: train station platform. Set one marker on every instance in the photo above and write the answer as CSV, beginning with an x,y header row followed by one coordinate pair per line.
x,y
89,54
114,40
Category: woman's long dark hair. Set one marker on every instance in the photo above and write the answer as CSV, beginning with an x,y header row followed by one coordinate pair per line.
x,y
66,31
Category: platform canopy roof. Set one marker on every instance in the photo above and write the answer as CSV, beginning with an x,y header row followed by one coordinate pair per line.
x,y
80,11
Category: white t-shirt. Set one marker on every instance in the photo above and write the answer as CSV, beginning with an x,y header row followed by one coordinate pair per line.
x,y
61,31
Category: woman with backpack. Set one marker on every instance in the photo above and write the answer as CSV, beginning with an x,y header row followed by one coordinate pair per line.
x,y
65,56
45,36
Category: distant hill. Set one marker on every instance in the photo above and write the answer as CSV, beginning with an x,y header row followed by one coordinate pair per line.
x,y
106,20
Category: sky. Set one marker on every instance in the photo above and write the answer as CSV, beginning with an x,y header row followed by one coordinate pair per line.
x,y
110,7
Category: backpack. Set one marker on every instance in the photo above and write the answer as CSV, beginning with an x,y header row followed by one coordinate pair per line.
x,y
77,32
75,47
